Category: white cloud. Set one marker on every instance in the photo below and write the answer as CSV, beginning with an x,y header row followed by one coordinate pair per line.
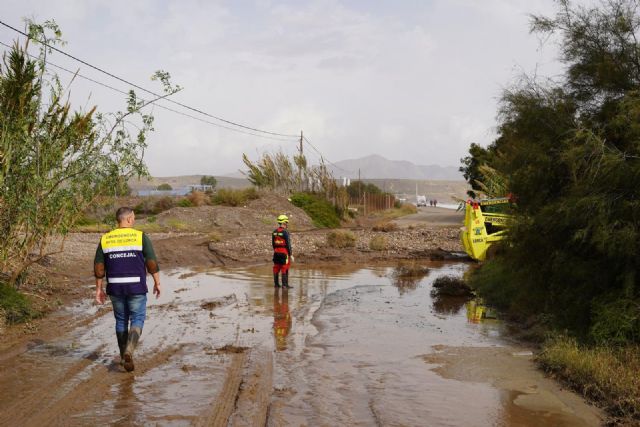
x,y
357,77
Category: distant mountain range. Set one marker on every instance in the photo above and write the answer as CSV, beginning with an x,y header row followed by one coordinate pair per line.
x,y
378,167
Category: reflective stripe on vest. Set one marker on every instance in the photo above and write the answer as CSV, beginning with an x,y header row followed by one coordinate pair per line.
x,y
135,279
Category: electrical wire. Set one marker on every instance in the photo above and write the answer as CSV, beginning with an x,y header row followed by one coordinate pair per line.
x,y
158,105
324,159
143,89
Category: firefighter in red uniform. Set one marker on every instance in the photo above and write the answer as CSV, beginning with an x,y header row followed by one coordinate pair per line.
x,y
282,255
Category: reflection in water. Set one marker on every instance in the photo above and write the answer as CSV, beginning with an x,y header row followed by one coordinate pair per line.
x,y
406,276
281,318
478,311
406,283
448,305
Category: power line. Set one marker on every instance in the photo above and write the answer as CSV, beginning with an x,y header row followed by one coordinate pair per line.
x,y
323,157
143,89
158,105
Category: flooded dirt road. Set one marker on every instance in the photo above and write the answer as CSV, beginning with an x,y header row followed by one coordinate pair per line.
x,y
346,346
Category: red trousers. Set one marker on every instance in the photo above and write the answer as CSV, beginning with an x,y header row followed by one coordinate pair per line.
x,y
281,261
284,268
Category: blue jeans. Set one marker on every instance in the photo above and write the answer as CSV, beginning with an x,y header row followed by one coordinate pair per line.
x,y
129,307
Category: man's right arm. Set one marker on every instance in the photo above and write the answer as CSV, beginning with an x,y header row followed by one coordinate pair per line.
x,y
99,272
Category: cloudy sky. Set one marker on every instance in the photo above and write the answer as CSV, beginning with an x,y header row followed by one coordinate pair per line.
x,y
414,80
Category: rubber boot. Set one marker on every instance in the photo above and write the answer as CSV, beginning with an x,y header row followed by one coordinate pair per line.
x,y
132,343
275,280
122,344
285,280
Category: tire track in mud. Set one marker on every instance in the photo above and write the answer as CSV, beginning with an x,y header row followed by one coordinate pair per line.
x,y
254,397
223,407
246,393
47,405
40,397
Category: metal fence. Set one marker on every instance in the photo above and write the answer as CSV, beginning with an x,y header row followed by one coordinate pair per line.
x,y
368,203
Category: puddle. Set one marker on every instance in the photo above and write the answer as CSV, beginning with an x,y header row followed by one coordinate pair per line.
x,y
350,346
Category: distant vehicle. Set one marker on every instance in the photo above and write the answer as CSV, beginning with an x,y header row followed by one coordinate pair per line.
x,y
421,201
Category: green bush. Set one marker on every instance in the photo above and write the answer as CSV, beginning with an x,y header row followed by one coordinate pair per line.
x,y
185,203
341,239
86,220
109,219
164,187
15,306
209,180
322,213
496,283
235,197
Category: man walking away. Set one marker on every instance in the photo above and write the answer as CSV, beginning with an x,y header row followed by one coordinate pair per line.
x,y
282,255
124,256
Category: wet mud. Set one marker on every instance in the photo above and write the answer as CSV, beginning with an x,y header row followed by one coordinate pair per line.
x,y
346,346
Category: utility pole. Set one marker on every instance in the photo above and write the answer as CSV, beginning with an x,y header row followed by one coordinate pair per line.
x,y
359,188
301,139
300,164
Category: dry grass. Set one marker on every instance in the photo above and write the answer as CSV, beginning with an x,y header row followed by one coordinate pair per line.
x,y
233,197
198,198
378,243
176,225
385,226
341,239
406,209
150,227
607,375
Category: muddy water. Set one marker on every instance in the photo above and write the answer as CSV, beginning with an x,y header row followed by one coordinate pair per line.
x,y
345,346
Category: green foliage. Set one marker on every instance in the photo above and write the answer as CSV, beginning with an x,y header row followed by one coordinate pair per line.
x,y
322,213
571,155
55,162
470,168
341,239
234,197
357,188
185,203
164,187
14,306
209,180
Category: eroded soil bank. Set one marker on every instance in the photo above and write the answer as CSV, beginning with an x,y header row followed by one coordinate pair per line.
x,y
346,346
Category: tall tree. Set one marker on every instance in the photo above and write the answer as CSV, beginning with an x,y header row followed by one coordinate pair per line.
x,y
55,162
570,152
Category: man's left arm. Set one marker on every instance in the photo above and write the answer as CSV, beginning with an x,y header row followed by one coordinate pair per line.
x,y
151,263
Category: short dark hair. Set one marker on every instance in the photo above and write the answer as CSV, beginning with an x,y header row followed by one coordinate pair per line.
x,y
122,213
